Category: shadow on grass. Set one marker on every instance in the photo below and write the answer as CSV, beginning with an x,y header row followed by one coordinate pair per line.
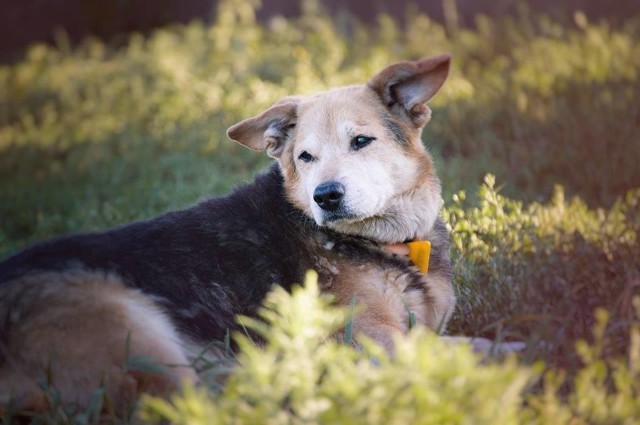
x,y
548,300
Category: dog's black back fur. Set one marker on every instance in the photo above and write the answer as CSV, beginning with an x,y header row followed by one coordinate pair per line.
x,y
222,254
208,263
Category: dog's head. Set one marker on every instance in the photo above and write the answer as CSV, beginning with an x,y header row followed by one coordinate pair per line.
x,y
352,157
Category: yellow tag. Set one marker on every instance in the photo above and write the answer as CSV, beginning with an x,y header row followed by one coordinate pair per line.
x,y
419,252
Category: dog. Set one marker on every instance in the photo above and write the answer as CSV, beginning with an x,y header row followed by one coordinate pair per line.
x,y
350,183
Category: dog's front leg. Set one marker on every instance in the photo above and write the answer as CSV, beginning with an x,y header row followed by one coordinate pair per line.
x,y
373,327
379,311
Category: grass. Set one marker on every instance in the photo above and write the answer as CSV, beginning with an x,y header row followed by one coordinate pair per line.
x,y
537,273
536,137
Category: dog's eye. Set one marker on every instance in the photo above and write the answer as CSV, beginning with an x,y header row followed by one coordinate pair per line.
x,y
361,141
306,157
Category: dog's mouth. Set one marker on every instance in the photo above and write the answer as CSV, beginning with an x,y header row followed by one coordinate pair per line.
x,y
348,222
334,217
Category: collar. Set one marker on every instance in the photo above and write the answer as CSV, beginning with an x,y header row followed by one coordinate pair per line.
x,y
419,252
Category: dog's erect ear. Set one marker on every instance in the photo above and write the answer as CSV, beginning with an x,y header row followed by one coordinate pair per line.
x,y
268,130
405,87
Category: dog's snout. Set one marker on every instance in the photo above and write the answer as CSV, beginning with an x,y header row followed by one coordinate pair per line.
x,y
329,195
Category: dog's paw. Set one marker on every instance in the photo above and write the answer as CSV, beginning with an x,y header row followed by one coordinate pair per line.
x,y
487,346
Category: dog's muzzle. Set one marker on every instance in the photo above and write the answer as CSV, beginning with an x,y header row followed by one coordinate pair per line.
x,y
329,196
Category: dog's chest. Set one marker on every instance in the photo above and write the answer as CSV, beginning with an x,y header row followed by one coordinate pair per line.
x,y
365,268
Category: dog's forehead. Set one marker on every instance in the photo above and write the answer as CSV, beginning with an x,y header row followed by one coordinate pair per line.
x,y
328,111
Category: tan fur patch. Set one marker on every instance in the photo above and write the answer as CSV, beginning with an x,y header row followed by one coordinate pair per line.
x,y
382,311
385,300
79,329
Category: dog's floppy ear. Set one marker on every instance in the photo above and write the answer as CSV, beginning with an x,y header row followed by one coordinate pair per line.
x,y
405,87
268,130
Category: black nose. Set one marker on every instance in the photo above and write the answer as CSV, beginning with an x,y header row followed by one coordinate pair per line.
x,y
329,195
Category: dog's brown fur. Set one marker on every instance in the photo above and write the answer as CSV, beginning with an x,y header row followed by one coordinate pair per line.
x,y
81,338
77,316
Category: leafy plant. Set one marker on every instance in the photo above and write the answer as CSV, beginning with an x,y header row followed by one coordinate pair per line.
x,y
304,375
536,273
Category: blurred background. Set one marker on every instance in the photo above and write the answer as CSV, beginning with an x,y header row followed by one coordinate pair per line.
x,y
22,23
